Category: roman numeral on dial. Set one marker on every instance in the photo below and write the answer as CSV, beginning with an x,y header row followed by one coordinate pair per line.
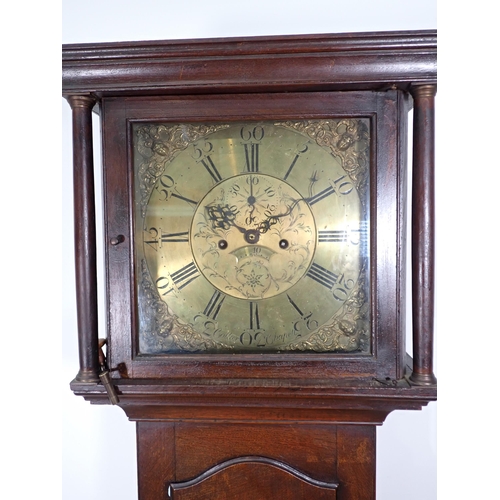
x,y
214,305
180,279
254,316
157,238
211,169
294,305
321,195
336,283
341,186
332,236
251,157
252,137
182,237
294,161
351,236
183,198
322,276
185,275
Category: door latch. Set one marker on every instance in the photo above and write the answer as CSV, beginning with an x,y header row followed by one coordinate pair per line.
x,y
104,375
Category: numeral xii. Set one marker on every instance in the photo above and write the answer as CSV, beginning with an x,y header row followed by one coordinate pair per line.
x,y
252,137
251,157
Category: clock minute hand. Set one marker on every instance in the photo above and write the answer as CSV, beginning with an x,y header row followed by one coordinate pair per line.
x,y
270,220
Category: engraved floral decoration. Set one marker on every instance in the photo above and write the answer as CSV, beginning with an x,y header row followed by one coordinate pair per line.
x,y
348,140
157,145
165,332
253,271
348,331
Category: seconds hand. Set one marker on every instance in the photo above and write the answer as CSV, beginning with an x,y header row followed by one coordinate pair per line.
x,y
251,202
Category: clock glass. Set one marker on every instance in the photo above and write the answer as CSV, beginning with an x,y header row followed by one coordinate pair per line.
x,y
252,236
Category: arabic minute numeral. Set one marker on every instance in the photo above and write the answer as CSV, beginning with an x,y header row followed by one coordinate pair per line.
x,y
164,285
305,320
167,187
202,155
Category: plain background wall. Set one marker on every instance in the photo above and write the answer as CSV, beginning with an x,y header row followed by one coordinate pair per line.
x,y
40,416
406,436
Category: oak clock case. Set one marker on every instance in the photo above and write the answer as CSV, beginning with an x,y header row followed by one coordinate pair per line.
x,y
252,236
255,229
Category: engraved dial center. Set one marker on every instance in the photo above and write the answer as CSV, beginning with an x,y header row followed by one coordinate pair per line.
x,y
268,233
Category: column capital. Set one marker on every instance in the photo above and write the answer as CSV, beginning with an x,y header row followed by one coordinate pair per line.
x,y
426,90
81,101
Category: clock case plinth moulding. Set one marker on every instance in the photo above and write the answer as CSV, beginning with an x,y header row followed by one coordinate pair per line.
x,y
173,399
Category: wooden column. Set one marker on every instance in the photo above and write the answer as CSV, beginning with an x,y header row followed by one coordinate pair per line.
x,y
423,234
85,237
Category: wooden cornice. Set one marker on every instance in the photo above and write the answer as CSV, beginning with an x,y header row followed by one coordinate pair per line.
x,y
352,61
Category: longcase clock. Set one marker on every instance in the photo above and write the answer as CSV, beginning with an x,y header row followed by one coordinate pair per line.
x,y
255,218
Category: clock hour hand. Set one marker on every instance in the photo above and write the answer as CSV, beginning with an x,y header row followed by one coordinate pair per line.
x,y
222,217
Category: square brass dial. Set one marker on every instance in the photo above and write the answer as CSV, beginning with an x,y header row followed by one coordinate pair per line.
x,y
252,236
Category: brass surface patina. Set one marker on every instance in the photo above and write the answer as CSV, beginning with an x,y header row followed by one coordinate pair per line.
x,y
252,237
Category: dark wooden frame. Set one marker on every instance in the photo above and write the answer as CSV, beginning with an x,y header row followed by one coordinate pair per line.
x,y
171,400
388,248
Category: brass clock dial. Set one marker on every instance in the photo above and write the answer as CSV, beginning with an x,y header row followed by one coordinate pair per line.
x,y
252,237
